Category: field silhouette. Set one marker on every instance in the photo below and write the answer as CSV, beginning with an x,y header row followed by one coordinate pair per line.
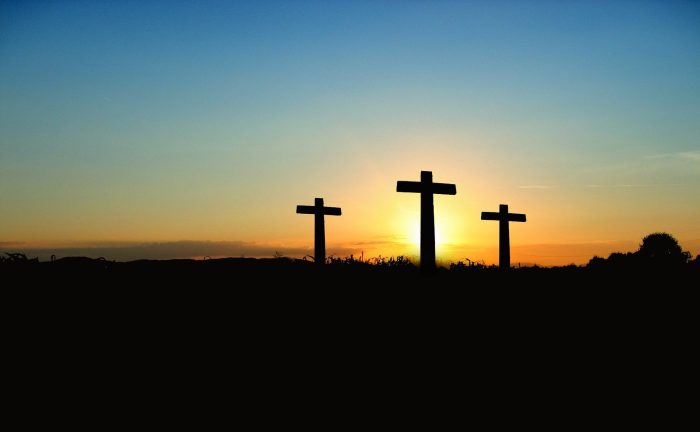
x,y
659,261
501,327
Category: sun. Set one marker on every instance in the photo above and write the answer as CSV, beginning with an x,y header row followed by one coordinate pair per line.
x,y
415,235
448,232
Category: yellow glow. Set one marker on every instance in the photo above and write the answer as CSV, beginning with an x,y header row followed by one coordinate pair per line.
x,y
415,235
447,232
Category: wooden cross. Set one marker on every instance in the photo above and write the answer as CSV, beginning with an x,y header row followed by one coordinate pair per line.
x,y
503,218
319,211
426,188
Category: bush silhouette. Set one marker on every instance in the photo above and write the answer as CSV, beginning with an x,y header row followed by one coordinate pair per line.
x,y
662,249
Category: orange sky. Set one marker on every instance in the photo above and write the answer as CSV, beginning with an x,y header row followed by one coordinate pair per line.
x,y
565,224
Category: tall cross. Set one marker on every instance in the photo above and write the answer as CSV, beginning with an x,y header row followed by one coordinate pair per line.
x,y
503,218
426,188
319,211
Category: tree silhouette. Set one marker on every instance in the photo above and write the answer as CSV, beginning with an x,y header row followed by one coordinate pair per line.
x,y
657,252
662,249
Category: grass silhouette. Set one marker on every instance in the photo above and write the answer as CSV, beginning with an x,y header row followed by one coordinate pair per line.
x,y
660,260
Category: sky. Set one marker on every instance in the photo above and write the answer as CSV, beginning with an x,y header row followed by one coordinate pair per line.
x,y
148,129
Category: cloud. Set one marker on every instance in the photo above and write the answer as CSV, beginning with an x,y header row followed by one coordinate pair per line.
x,y
393,241
543,254
687,156
10,244
173,250
660,166
620,185
693,156
534,187
631,186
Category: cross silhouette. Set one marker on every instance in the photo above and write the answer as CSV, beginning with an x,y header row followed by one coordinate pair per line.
x,y
319,211
503,218
426,188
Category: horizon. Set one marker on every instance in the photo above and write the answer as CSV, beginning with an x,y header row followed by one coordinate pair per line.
x,y
560,255
195,129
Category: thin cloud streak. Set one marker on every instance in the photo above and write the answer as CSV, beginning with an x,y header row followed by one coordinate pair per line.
x,y
9,244
631,185
693,156
542,254
617,186
172,250
535,187
690,156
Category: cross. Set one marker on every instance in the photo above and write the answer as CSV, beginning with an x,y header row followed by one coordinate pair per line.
x,y
426,188
319,211
503,217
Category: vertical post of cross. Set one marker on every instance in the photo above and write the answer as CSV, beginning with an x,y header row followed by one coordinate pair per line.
x,y
319,212
319,232
503,236
426,188
427,221
504,218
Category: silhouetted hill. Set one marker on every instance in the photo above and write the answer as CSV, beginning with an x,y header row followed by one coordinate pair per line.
x,y
221,293
618,271
282,316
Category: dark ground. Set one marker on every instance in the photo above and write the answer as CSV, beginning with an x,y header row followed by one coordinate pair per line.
x,y
243,331
348,282
215,299
281,273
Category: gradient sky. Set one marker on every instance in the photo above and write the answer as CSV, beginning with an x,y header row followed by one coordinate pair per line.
x,y
199,126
